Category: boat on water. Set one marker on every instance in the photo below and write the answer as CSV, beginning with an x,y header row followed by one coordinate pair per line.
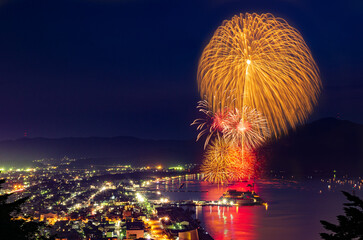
x,y
242,198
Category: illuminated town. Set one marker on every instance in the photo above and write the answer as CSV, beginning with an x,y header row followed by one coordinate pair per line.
x,y
81,204
120,202
181,120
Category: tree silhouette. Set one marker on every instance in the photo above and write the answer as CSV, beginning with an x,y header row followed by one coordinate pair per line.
x,y
350,225
17,229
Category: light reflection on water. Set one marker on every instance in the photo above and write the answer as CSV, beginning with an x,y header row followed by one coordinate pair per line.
x,y
294,208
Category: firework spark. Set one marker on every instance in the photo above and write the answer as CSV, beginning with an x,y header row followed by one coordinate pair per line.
x,y
247,128
211,123
262,62
224,161
244,166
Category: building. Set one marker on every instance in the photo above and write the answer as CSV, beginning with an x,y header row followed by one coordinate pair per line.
x,y
134,230
189,235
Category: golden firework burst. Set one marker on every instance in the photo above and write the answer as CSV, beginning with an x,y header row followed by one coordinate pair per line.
x,y
262,62
224,161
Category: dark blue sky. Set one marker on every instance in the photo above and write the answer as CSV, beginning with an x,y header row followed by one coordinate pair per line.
x,y
128,67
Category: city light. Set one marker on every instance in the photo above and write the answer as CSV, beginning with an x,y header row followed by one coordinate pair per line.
x,y
140,198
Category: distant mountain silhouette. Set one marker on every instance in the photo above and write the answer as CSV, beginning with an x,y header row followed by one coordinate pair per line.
x,y
99,151
325,144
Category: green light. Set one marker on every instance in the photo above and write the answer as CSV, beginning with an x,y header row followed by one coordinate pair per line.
x,y
179,168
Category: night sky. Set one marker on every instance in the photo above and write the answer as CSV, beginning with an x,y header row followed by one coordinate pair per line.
x,y
128,67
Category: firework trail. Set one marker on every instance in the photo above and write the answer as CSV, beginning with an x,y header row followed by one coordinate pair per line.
x,y
246,128
262,62
244,165
257,78
217,159
223,162
211,122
